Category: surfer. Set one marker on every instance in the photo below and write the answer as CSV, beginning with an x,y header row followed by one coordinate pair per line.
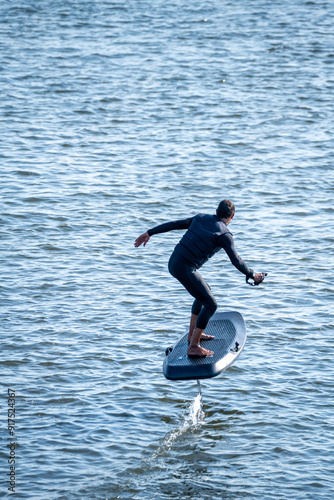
x,y
206,235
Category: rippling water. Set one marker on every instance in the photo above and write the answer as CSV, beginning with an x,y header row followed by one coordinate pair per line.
x,y
120,115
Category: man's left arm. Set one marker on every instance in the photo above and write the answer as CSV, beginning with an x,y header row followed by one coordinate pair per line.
x,y
163,228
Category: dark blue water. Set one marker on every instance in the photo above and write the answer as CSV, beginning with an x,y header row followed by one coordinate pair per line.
x,y
117,116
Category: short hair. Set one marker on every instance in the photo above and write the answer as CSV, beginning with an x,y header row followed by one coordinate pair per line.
x,y
225,209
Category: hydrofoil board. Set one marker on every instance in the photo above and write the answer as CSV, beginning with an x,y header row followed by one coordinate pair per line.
x,y
230,334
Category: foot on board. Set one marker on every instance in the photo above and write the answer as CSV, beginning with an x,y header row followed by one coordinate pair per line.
x,y
206,337
203,337
198,352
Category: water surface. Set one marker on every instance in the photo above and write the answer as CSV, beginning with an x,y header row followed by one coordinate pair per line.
x,y
117,116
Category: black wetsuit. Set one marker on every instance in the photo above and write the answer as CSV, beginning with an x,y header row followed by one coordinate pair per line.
x,y
206,235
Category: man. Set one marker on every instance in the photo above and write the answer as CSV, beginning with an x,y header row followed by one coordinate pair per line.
x,y
205,236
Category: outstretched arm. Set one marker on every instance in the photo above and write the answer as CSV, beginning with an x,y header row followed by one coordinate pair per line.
x,y
163,228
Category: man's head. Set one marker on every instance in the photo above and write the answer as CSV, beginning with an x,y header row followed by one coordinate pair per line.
x,y
226,209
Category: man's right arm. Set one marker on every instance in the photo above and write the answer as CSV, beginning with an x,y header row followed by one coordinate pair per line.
x,y
227,242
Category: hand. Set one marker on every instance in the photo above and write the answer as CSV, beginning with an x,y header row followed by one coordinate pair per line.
x,y
143,238
259,277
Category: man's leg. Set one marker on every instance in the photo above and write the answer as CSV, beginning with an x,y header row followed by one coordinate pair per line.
x,y
193,319
203,308
194,348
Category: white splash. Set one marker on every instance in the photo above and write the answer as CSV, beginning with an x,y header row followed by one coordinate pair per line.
x,y
196,413
192,420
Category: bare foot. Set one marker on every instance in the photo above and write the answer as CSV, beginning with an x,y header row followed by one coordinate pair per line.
x,y
197,351
206,337
203,337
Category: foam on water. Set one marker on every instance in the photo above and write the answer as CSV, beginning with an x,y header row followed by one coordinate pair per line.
x,y
196,413
192,420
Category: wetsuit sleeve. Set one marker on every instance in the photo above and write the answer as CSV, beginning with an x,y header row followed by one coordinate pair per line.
x,y
227,243
170,226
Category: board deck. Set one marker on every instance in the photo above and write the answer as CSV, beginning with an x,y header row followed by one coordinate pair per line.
x,y
230,334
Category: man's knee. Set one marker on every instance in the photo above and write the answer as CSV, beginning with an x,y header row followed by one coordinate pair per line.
x,y
211,306
214,306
